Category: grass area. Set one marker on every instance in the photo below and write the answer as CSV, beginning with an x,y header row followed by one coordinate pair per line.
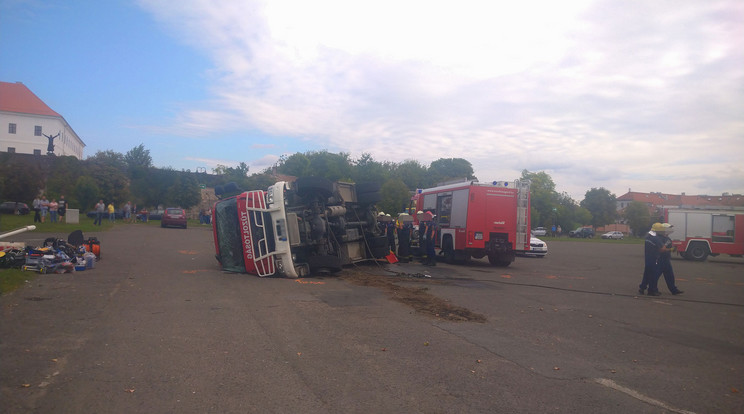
x,y
12,279
10,222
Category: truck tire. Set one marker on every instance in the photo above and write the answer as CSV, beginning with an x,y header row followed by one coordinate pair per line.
x,y
448,250
369,198
499,261
324,264
697,252
367,187
309,186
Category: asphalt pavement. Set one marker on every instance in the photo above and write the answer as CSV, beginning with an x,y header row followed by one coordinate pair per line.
x,y
157,327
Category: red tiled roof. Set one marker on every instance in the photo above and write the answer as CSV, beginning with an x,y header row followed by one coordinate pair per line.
x,y
16,97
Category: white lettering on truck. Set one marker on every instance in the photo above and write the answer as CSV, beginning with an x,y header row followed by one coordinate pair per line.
x,y
247,242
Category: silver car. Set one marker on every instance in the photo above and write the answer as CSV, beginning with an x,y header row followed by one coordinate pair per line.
x,y
613,235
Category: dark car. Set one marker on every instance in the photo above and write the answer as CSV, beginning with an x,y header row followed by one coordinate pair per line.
x,y
156,214
118,214
14,207
582,232
173,216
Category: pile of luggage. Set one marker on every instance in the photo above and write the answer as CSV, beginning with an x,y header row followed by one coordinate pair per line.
x,y
55,255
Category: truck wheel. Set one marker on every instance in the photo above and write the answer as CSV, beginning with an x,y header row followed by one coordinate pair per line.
x,y
497,260
698,252
324,264
307,186
367,187
369,198
449,251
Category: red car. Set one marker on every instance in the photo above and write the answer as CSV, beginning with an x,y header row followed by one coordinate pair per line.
x,y
173,216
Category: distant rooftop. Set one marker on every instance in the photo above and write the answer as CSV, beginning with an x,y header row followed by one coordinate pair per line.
x,y
16,97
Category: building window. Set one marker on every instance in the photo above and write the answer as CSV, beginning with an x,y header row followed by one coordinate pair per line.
x,y
11,150
11,128
37,130
37,152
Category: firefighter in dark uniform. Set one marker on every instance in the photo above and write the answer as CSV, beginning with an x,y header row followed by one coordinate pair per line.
x,y
421,251
404,237
653,248
665,260
390,231
430,239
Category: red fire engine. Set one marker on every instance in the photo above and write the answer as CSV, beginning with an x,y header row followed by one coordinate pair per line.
x,y
479,219
699,233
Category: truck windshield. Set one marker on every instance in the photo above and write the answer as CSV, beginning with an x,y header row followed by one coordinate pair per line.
x,y
228,235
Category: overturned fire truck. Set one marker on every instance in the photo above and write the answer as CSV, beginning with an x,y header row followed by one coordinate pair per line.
x,y
479,219
296,229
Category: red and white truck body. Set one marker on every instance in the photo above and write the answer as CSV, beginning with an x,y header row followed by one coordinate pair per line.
x,y
480,219
701,232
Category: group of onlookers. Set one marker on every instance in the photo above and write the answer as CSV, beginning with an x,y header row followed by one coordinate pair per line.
x,y
55,209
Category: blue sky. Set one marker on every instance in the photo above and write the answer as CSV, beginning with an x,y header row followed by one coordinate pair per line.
x,y
613,94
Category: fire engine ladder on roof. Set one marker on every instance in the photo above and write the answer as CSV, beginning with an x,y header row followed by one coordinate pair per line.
x,y
523,211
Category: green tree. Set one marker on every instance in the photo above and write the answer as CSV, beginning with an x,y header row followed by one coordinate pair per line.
x,y
395,196
367,169
602,204
445,169
638,217
411,172
111,180
62,177
21,180
183,191
110,158
87,193
138,157
543,198
297,165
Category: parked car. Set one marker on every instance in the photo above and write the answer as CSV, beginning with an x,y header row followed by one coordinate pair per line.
x,y
538,248
613,235
173,216
156,214
118,214
14,207
540,231
582,232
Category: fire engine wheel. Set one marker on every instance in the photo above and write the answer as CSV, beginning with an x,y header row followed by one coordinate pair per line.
x,y
448,251
368,187
369,198
324,264
307,186
698,252
499,261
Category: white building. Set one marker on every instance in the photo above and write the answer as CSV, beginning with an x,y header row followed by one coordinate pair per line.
x,y
27,125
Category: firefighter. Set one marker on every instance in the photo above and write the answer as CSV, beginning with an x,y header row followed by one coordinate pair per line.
x,y
654,248
390,232
665,260
404,237
430,239
421,251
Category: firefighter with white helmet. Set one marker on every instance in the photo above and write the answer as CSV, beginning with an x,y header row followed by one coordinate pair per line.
x,y
654,247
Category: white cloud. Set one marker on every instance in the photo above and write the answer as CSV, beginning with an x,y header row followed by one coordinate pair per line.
x,y
596,93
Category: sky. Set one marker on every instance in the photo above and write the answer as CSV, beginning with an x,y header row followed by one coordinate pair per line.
x,y
641,95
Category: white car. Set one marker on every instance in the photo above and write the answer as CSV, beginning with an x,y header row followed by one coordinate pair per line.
x,y
538,248
540,231
613,235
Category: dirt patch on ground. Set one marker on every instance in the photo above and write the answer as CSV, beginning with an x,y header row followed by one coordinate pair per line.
x,y
416,297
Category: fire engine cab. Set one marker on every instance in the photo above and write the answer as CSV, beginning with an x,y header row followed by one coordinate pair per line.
x,y
479,219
